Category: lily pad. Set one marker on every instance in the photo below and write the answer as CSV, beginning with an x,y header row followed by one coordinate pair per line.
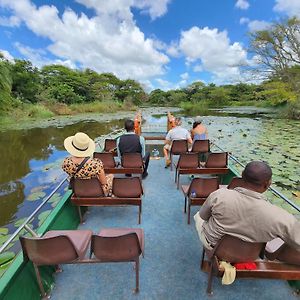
x,y
20,222
55,198
4,238
42,216
36,196
38,188
3,230
6,256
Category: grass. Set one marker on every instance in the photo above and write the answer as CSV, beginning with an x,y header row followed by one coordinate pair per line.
x,y
45,110
200,108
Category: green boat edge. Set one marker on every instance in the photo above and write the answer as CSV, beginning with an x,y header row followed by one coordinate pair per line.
x,y
20,276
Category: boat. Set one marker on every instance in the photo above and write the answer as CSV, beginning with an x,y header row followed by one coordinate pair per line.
x,y
170,269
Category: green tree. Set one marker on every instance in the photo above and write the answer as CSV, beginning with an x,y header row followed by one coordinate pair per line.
x,y
25,81
5,84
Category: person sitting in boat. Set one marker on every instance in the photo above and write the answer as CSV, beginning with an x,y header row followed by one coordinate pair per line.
x,y
199,131
245,213
171,121
133,143
81,165
177,133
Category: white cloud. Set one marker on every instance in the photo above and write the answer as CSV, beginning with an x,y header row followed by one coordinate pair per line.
x,y
257,25
37,57
121,8
164,84
107,42
12,21
290,7
7,55
184,76
211,50
244,20
242,4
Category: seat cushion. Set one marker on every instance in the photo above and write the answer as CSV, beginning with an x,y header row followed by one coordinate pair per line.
x,y
79,238
111,232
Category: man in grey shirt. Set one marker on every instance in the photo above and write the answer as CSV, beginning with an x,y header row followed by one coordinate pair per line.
x,y
177,133
245,213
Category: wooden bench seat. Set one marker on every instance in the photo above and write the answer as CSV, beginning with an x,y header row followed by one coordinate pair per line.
x,y
126,191
234,250
71,247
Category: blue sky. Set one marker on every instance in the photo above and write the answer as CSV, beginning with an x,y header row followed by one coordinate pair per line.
x,y
163,44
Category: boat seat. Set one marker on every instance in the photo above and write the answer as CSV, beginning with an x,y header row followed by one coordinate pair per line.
x,y
56,247
126,191
197,192
186,161
216,165
70,247
119,245
107,159
110,145
178,147
277,249
201,146
235,250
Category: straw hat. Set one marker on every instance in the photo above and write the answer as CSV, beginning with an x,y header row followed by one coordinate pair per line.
x,y
79,145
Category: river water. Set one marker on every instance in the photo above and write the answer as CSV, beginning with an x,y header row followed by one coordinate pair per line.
x,y
31,157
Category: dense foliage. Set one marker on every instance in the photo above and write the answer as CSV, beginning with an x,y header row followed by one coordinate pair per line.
x,y
277,55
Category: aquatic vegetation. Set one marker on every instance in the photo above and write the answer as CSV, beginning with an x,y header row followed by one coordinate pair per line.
x,y
36,196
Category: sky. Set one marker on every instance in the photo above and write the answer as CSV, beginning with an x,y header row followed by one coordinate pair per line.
x,y
166,44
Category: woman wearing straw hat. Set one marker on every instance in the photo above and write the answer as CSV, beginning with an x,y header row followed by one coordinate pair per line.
x,y
80,165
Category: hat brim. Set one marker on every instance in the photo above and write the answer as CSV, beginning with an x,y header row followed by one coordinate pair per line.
x,y
73,151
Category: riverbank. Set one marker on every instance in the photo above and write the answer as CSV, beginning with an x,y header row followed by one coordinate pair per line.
x,y
284,111
35,113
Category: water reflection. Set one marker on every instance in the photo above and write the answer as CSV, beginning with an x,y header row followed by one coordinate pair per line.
x,y
31,160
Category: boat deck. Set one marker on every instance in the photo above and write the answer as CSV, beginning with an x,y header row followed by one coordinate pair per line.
x,y
170,269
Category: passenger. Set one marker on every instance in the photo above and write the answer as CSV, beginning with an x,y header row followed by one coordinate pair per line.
x,y
245,213
199,131
171,121
81,147
133,143
177,133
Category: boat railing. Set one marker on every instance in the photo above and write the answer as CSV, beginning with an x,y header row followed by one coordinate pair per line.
x,y
273,190
25,224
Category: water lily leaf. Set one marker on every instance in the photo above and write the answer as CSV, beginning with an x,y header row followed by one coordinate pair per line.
x,y
20,222
56,197
38,188
6,256
3,230
36,196
42,216
4,238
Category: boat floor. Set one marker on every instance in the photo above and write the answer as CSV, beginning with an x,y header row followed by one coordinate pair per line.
x,y
170,269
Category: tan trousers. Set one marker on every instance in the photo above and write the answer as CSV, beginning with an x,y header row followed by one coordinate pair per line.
x,y
199,227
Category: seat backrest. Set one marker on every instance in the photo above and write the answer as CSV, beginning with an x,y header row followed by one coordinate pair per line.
x,y
107,159
127,187
233,250
132,160
110,144
118,248
235,182
217,160
203,187
202,146
49,251
188,160
87,188
179,146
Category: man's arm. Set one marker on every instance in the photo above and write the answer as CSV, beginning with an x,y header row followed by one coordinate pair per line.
x,y
142,142
118,150
205,211
189,139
